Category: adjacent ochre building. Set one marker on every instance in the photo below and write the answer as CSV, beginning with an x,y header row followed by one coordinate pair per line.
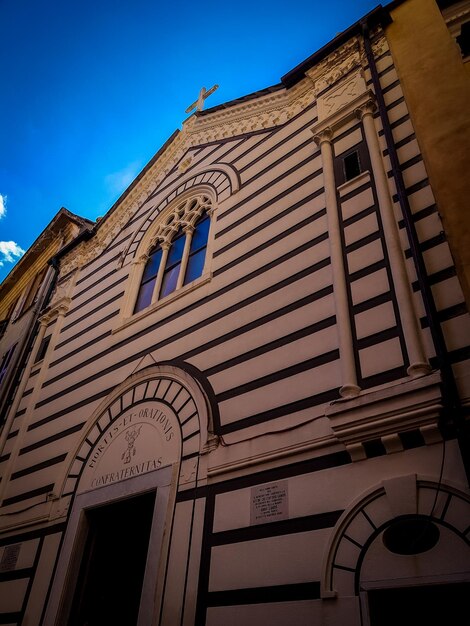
x,y
252,405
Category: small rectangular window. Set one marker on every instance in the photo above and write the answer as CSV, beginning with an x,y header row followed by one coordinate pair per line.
x,y
351,165
43,349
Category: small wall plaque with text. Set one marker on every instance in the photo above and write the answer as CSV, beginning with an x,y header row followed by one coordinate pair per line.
x,y
269,503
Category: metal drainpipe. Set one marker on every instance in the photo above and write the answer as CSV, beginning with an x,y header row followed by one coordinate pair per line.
x,y
453,409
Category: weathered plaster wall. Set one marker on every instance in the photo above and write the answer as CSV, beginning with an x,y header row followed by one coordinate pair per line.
x,y
437,91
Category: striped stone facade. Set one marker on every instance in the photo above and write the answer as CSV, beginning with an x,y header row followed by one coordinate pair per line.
x,y
288,406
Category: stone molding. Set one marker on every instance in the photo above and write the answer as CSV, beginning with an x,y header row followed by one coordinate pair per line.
x,y
409,405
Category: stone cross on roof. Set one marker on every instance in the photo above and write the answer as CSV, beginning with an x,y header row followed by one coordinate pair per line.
x,y
199,103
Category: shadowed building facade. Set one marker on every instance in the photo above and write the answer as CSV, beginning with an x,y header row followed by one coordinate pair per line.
x,y
252,407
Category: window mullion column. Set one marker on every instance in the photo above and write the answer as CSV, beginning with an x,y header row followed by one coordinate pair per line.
x,y
165,246
188,230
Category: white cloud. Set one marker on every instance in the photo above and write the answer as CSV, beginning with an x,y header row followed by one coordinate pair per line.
x,y
9,252
117,182
3,205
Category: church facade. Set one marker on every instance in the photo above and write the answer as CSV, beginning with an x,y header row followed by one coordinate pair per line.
x,y
252,403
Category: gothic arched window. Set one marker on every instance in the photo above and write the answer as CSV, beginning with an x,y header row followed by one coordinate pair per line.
x,y
178,256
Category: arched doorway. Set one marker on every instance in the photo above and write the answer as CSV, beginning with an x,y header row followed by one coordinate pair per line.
x,y
403,550
142,445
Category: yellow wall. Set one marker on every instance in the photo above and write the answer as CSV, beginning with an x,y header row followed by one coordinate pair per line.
x,y
437,90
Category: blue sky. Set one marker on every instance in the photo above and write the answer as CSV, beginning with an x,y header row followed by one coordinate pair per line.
x,y
92,89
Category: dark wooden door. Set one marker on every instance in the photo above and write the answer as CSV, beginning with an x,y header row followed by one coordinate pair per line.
x,y
112,569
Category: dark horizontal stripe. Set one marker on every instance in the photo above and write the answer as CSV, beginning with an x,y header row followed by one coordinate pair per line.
x,y
32,534
98,269
363,242
432,242
281,411
272,220
86,316
375,338
272,164
51,439
77,307
386,70
81,347
264,595
401,143
395,103
286,372
262,191
20,413
39,466
28,392
371,303
459,355
28,495
120,242
266,153
265,319
276,529
421,214
366,271
310,466
99,281
384,377
190,436
452,311
355,192
359,216
11,618
203,324
12,433
391,86
414,188
88,328
272,345
429,244
404,141
399,122
4,458
16,574
438,277
273,240
347,132
410,162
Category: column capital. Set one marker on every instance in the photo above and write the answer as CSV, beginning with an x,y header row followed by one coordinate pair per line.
x,y
368,108
142,259
188,229
323,136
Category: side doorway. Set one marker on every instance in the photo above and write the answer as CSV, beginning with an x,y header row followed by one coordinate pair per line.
x,y
111,574
113,551
433,605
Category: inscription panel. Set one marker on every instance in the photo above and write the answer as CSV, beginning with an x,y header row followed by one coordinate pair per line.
x,y
142,439
269,503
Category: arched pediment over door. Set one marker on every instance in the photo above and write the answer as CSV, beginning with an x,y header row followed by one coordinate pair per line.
x,y
146,438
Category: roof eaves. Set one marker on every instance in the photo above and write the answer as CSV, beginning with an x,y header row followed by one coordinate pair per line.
x,y
379,15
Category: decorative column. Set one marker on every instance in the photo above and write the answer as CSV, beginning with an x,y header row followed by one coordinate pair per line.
x,y
165,246
419,365
188,230
349,388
